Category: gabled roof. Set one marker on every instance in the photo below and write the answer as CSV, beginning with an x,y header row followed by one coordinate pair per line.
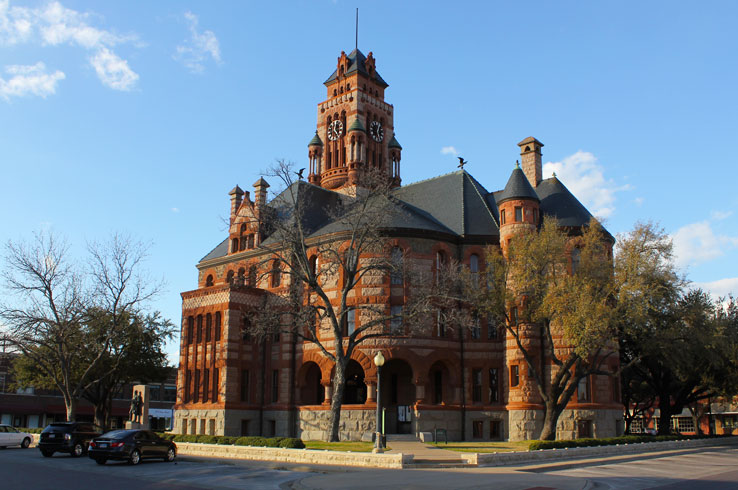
x,y
517,187
454,204
357,63
455,200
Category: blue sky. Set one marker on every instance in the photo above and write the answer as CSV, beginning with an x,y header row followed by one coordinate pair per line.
x,y
140,116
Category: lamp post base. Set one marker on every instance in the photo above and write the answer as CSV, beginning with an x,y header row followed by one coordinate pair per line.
x,y
378,443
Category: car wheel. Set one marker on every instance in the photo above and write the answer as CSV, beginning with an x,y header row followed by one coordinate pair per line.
x,y
101,460
77,450
26,442
135,457
47,454
170,455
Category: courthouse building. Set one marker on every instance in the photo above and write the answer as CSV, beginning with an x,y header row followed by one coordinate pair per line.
x,y
472,382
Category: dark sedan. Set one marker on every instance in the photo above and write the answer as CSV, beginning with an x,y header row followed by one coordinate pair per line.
x,y
132,446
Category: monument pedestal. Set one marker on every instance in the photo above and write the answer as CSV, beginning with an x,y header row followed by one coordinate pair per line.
x,y
143,413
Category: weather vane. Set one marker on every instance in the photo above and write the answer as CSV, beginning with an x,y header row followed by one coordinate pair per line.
x,y
462,162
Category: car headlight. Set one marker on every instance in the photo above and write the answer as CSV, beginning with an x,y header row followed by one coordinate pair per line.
x,y
67,436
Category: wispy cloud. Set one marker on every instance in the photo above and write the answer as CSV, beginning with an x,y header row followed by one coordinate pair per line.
x,y
201,46
720,288
449,150
54,25
175,210
696,243
721,215
29,80
585,178
113,71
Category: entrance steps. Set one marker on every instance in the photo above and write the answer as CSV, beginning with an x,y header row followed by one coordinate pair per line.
x,y
401,437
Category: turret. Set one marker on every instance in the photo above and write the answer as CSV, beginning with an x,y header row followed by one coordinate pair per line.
x,y
395,152
260,193
519,207
315,156
236,199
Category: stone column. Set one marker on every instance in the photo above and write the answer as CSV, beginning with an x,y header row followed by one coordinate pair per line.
x,y
328,388
371,392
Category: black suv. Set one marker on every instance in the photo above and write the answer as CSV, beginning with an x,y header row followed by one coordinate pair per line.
x,y
67,437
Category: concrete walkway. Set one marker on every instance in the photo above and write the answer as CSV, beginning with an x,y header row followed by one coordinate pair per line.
x,y
425,454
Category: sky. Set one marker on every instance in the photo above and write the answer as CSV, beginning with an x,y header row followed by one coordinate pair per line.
x,y
138,117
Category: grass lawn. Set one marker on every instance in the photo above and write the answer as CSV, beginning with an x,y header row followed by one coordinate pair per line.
x,y
485,447
356,447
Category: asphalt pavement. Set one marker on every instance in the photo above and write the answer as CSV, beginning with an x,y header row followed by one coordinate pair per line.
x,y
698,469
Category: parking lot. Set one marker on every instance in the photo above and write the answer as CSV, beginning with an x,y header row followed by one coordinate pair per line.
x,y
26,469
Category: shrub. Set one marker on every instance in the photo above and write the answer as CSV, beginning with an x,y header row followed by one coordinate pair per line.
x,y
607,441
274,441
225,440
167,435
185,438
251,441
292,443
206,439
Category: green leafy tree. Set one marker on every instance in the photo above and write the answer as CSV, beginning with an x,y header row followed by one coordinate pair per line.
x,y
532,291
677,347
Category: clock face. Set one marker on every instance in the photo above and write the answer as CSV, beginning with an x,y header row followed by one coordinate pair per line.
x,y
335,130
376,131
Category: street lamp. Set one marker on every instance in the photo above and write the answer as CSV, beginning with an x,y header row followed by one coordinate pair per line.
x,y
379,362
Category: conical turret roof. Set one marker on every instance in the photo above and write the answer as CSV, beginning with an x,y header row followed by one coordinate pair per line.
x,y
356,125
316,140
518,187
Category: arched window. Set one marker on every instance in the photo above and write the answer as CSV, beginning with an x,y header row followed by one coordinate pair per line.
x,y
199,328
208,327
217,326
251,241
234,245
440,263
576,256
276,274
190,329
252,276
241,272
313,264
229,277
209,280
397,262
474,268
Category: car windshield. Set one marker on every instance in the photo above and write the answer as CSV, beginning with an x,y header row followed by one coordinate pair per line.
x,y
115,434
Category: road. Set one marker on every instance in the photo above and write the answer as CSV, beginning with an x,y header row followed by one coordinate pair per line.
x,y
704,468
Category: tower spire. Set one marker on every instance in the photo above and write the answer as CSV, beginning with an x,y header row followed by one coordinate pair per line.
x,y
357,29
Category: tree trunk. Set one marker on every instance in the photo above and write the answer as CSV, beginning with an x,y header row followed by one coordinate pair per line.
x,y
550,419
339,383
664,418
71,405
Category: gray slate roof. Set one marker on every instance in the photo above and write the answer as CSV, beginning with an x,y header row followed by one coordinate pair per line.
x,y
357,62
455,204
517,187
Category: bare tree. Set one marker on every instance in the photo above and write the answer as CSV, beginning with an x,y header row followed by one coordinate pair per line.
x,y
50,319
322,305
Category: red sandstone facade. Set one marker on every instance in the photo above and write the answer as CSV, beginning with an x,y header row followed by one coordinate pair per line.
x,y
472,382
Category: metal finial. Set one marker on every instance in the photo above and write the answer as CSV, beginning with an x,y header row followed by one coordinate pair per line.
x,y
554,174
517,164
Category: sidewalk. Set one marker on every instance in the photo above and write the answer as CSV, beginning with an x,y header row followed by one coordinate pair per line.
x,y
426,455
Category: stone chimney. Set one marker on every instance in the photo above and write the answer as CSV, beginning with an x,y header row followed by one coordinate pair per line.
x,y
260,192
236,199
531,160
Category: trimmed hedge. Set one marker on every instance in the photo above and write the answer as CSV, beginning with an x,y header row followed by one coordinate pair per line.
x,y
34,430
283,442
607,441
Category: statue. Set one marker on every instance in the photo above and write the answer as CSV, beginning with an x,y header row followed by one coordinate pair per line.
x,y
134,414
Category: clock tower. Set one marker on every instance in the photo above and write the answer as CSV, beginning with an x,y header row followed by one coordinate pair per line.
x,y
355,126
